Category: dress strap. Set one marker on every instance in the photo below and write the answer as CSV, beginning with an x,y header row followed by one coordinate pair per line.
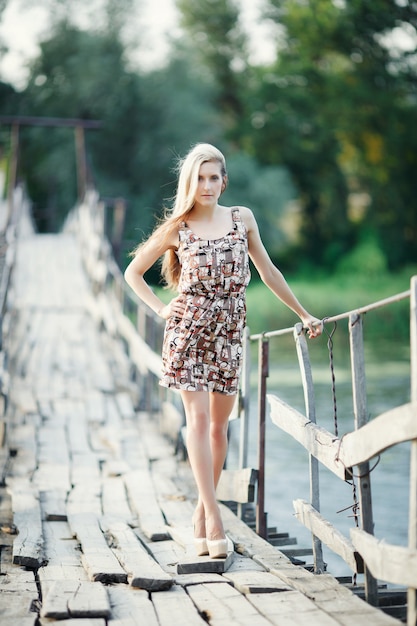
x,y
236,214
237,221
182,231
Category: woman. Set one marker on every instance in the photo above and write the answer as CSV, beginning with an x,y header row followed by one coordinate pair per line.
x,y
206,248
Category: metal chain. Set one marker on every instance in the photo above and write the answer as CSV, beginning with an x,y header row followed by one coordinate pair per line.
x,y
355,506
330,349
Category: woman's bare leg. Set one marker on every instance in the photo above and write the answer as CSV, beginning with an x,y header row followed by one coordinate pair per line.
x,y
207,418
221,407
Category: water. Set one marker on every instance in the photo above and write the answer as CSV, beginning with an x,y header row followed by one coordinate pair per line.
x,y
287,465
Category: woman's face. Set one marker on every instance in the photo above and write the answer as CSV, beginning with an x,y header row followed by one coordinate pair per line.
x,y
210,184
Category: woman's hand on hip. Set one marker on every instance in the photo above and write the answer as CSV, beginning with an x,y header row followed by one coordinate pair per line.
x,y
175,308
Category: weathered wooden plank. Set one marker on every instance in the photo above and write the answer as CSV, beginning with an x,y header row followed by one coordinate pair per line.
x,y
98,559
52,477
131,607
143,501
143,571
85,468
53,457
156,446
386,430
167,553
75,599
114,499
338,454
225,605
246,541
28,545
84,621
95,404
350,611
394,564
298,578
85,498
22,444
317,440
176,508
237,485
198,564
332,537
19,596
254,581
175,607
62,556
289,608
125,405
53,504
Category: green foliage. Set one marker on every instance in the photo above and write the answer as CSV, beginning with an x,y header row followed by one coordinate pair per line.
x,y
266,190
220,44
326,296
367,258
328,125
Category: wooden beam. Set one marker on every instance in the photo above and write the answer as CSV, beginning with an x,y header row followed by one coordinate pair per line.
x,y
339,455
140,353
324,530
388,429
237,485
317,440
30,120
394,564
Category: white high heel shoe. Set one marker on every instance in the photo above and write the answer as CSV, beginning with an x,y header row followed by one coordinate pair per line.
x,y
217,548
201,546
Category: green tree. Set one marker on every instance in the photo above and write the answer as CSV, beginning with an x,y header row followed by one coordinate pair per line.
x,y
80,75
337,106
220,46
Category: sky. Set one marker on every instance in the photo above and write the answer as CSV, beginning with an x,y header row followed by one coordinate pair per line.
x,y
24,23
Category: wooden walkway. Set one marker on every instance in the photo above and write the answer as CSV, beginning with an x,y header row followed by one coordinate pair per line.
x,y
95,505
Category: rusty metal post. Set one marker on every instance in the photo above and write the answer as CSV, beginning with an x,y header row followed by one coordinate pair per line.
x,y
263,370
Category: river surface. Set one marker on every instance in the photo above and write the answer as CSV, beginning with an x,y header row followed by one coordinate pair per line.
x,y
287,465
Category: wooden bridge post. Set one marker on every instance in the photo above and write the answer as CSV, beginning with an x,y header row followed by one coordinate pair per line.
x,y
412,525
14,141
81,161
310,405
261,525
361,418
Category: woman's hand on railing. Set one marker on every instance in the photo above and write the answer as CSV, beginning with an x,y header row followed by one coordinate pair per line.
x,y
313,325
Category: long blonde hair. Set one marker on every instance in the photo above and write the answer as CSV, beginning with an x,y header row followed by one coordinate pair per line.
x,y
188,169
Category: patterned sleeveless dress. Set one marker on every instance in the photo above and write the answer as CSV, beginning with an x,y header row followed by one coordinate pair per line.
x,y
202,351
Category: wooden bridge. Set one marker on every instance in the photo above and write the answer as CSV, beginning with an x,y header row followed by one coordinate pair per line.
x,y
96,494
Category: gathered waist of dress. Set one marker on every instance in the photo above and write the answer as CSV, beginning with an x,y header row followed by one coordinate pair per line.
x,y
216,292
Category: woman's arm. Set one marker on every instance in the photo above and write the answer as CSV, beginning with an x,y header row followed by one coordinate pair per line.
x,y
273,278
146,256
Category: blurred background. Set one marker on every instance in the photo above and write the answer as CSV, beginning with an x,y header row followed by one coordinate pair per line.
x,y
313,103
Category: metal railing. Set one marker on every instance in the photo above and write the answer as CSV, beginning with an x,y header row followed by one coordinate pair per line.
x,y
367,439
